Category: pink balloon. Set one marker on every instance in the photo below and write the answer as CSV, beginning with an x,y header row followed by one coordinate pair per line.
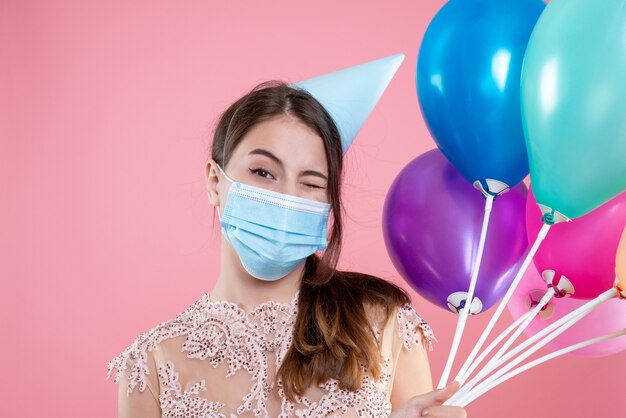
x,y
608,317
582,250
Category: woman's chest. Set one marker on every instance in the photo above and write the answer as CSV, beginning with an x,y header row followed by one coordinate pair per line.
x,y
198,388
228,369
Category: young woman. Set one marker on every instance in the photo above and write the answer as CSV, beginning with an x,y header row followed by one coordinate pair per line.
x,y
282,333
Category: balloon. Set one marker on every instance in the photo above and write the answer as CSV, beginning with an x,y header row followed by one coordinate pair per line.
x,y
573,104
608,317
432,220
467,78
582,250
620,263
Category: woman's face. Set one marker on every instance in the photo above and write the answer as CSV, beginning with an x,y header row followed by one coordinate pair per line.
x,y
281,154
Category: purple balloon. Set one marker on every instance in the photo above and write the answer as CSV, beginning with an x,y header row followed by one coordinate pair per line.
x,y
431,223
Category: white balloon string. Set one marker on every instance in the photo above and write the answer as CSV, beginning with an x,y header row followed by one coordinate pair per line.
x,y
584,310
494,343
562,327
531,253
473,395
465,310
496,361
518,331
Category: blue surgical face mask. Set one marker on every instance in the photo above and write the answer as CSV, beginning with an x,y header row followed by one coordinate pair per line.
x,y
272,232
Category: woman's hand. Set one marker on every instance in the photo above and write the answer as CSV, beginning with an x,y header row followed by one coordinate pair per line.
x,y
429,405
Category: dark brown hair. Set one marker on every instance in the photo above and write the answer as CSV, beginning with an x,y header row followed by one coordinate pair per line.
x,y
332,334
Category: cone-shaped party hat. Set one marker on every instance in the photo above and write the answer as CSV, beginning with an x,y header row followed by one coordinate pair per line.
x,y
349,95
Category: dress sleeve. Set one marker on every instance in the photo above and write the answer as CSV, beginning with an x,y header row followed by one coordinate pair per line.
x,y
138,383
410,372
412,329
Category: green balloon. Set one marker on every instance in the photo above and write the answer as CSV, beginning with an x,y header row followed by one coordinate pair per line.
x,y
573,96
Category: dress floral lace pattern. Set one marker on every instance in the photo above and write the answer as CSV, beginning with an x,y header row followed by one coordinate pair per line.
x,y
221,332
176,403
370,400
409,332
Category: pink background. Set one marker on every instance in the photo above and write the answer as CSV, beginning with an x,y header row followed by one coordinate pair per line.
x,y
106,113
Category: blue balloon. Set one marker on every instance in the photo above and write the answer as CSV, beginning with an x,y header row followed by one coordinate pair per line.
x,y
468,85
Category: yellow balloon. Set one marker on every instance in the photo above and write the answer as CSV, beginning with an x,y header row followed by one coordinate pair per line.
x,y
620,263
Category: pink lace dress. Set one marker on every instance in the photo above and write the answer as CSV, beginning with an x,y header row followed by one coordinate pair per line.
x,y
217,360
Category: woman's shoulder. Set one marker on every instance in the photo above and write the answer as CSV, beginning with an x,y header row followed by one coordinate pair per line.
x,y
412,328
136,360
387,301
403,323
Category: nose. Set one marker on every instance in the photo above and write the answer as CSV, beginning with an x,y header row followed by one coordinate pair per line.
x,y
290,187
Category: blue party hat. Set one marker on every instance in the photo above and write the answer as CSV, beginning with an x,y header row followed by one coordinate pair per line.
x,y
349,95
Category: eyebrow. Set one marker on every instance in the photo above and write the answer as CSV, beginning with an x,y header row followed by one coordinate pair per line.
x,y
261,151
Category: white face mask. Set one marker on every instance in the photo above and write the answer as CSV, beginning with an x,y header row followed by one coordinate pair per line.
x,y
272,232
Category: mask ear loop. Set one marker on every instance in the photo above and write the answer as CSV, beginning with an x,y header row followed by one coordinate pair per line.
x,y
224,174
227,178
227,136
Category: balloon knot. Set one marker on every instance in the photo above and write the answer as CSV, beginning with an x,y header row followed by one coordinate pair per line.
x,y
548,218
534,302
558,293
621,293
460,307
495,195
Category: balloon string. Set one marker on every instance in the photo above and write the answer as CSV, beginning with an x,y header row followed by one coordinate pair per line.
x,y
543,232
465,310
495,342
473,395
532,313
553,331
584,309
562,325
496,361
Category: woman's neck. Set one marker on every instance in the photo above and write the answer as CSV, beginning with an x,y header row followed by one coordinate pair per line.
x,y
235,284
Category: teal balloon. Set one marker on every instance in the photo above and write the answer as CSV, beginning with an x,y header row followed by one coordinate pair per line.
x,y
573,95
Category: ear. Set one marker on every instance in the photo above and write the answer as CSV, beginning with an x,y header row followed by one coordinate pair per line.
x,y
212,181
